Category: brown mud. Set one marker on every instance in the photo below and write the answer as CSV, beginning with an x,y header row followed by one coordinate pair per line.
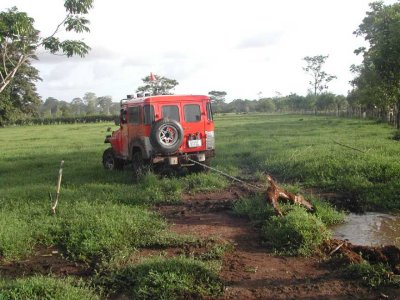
x,y
43,261
249,271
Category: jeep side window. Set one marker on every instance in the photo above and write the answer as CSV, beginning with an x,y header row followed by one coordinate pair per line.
x,y
123,116
170,112
133,115
209,112
148,111
192,113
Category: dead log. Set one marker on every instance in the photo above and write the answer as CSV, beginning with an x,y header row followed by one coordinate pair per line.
x,y
275,192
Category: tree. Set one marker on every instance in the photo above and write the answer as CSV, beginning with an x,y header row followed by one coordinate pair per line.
x,y
90,100
50,107
159,86
77,106
218,100
341,103
265,105
20,99
326,102
379,74
19,39
217,97
105,104
320,78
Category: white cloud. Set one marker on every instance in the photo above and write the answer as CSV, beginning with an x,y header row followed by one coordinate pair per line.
x,y
242,47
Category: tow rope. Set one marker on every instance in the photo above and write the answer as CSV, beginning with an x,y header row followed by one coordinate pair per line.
x,y
226,175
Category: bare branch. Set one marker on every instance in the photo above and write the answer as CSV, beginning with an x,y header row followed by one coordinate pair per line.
x,y
55,31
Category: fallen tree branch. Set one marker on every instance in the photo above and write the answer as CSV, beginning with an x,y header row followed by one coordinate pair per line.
x,y
275,192
58,187
336,249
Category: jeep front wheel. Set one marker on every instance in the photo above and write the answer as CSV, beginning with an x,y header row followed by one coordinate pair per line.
x,y
166,136
110,161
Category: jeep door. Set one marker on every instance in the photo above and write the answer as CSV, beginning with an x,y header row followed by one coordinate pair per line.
x,y
135,126
194,125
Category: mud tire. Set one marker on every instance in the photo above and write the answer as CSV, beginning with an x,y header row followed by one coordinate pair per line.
x,y
110,161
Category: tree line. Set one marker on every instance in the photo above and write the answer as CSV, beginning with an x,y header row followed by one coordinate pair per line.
x,y
375,87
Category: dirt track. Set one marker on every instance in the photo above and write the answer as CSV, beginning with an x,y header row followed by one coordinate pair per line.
x,y
249,271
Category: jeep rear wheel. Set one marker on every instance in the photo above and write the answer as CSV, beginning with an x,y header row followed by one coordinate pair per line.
x,y
139,166
110,161
166,136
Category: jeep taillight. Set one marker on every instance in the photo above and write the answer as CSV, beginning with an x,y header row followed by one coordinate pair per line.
x,y
210,140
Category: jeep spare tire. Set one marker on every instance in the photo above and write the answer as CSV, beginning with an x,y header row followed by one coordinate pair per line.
x,y
166,136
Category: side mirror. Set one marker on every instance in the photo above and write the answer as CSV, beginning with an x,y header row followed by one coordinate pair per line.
x,y
116,121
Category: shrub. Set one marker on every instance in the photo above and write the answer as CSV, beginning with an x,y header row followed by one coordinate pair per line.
x,y
39,287
372,275
297,233
177,278
396,135
65,120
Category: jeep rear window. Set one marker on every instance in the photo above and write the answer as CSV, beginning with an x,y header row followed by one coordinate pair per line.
x,y
170,112
192,113
133,115
148,114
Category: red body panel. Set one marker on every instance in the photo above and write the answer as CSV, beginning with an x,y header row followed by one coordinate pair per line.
x,y
121,139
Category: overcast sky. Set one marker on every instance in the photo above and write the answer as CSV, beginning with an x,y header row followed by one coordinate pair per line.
x,y
243,47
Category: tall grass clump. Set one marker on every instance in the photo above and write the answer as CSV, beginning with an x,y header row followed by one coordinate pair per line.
x,y
327,213
161,278
255,208
16,236
86,231
297,233
45,288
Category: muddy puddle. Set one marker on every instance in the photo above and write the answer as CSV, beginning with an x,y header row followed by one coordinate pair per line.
x,y
370,229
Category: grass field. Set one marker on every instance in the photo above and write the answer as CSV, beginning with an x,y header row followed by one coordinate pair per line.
x,y
103,215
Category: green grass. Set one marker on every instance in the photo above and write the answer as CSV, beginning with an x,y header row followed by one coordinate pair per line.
x,y
103,214
100,213
297,233
100,232
45,288
373,275
305,149
161,278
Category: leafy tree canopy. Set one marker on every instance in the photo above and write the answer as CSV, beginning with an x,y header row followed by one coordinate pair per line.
x,y
19,39
217,97
320,78
159,86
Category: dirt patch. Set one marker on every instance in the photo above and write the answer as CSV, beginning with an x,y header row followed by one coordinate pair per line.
x,y
249,271
44,261
349,253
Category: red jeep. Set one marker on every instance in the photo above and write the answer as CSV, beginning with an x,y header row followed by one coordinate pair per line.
x,y
157,130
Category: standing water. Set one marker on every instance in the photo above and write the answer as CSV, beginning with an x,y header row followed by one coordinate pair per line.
x,y
370,229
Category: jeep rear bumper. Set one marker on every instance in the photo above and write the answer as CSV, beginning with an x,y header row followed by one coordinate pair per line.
x,y
181,159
